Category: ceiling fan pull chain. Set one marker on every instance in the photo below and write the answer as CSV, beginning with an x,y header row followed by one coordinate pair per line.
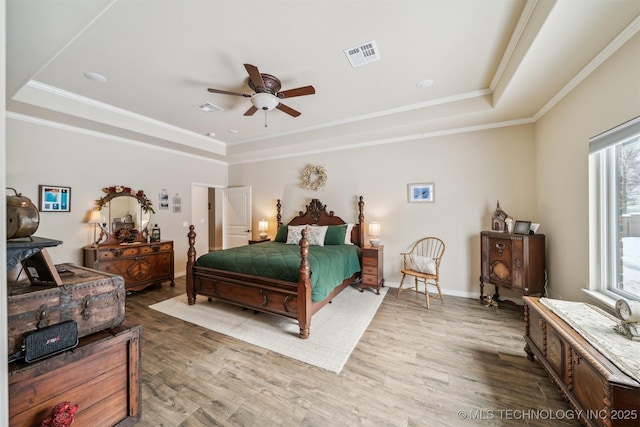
x,y
265,118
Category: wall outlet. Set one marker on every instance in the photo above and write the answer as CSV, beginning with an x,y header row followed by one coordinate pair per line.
x,y
185,224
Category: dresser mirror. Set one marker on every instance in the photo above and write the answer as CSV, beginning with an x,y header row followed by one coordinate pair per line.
x,y
126,215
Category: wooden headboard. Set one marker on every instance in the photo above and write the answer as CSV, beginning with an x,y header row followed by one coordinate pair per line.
x,y
316,214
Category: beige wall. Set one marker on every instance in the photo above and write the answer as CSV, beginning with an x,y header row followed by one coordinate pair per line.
x,y
471,171
40,154
608,97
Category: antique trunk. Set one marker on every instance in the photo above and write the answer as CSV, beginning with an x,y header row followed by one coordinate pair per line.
x,y
95,300
102,376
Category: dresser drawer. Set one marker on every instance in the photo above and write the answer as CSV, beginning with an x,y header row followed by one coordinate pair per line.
x,y
156,247
119,252
368,269
368,279
369,261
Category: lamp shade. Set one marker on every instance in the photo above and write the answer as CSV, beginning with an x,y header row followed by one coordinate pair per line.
x,y
263,226
374,233
95,217
265,101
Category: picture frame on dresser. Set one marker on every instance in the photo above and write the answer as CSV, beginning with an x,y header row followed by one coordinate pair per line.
x,y
522,227
54,198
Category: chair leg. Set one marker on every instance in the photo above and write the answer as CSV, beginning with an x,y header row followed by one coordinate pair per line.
x,y
439,291
426,293
400,286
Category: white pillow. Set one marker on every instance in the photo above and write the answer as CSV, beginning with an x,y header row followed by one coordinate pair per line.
x,y
294,234
347,236
423,264
316,234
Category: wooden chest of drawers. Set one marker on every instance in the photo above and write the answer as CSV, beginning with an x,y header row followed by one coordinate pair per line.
x,y
513,261
599,391
372,271
102,376
140,264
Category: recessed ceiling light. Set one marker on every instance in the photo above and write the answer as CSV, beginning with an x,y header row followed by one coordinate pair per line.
x,y
208,107
425,83
211,134
232,131
95,76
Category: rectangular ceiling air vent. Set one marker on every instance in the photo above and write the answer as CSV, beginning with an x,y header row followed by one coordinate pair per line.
x,y
363,54
208,107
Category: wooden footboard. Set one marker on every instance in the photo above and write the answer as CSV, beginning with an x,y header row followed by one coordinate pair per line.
x,y
280,297
275,296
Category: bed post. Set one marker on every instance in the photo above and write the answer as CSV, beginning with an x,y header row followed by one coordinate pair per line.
x,y
191,260
304,288
279,216
361,221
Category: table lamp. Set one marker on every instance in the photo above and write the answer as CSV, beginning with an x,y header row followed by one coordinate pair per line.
x,y
95,219
263,226
374,233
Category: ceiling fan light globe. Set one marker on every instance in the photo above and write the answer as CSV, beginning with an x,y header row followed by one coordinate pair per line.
x,y
265,101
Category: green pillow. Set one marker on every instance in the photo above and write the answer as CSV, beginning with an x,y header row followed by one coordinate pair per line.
x,y
281,235
335,235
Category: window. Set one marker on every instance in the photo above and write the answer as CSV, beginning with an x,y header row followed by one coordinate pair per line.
x,y
614,163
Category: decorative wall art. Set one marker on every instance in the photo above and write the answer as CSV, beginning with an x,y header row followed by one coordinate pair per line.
x,y
164,199
313,177
177,203
54,198
421,193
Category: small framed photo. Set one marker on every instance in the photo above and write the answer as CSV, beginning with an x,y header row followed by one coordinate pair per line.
x,y
164,199
41,270
522,227
421,193
53,198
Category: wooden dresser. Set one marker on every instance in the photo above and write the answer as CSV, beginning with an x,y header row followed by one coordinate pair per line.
x,y
140,264
512,261
599,391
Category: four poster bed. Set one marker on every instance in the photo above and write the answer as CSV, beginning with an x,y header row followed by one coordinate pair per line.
x,y
308,263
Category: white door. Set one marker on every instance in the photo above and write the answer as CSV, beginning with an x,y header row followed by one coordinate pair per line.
x,y
237,217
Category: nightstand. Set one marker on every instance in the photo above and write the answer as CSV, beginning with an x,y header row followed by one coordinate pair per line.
x,y
251,242
372,274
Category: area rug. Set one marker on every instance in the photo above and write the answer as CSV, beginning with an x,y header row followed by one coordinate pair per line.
x,y
335,329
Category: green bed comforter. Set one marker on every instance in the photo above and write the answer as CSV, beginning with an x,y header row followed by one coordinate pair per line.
x,y
330,265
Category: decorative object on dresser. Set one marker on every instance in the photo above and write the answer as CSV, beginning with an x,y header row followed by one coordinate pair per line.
x,y
596,369
512,261
213,276
498,219
522,227
372,271
102,375
629,314
123,249
93,299
374,233
422,262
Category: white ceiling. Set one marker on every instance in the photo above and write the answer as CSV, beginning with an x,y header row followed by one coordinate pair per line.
x,y
493,62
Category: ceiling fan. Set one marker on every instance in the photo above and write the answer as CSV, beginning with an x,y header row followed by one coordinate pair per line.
x,y
267,94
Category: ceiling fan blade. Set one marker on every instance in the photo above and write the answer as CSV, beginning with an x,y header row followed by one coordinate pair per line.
x,y
299,91
226,92
254,75
251,111
290,111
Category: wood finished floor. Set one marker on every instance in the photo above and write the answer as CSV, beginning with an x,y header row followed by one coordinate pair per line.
x,y
412,367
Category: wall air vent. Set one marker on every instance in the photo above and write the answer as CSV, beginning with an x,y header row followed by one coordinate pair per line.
x,y
363,54
208,107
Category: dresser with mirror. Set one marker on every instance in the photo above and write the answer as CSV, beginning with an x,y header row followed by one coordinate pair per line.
x,y
124,247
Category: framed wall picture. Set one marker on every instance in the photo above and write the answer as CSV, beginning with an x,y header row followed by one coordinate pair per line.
x,y
522,227
53,198
421,193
